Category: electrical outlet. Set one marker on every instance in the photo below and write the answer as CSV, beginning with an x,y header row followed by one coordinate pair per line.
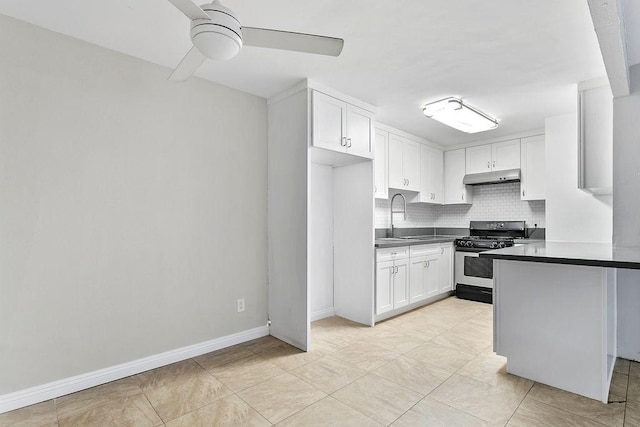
x,y
240,305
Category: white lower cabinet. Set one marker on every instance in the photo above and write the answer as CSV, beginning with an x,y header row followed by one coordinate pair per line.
x,y
411,274
446,268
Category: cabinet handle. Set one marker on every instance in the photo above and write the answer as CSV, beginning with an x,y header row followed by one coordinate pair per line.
x,y
375,188
407,182
522,193
349,141
425,265
494,163
396,269
463,196
343,141
441,251
488,165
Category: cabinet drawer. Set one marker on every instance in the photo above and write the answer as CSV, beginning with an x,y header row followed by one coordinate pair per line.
x,y
388,254
420,250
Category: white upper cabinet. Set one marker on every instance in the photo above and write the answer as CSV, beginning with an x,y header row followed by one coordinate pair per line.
x,y
532,159
381,164
431,175
493,157
455,192
505,155
404,163
342,127
478,159
595,137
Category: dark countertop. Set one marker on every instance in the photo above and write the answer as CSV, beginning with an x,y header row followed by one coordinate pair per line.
x,y
422,240
590,254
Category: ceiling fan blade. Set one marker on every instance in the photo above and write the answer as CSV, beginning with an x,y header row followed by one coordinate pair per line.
x,y
285,40
190,9
189,64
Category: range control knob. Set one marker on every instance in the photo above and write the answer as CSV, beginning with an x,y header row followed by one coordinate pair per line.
x,y
494,245
501,244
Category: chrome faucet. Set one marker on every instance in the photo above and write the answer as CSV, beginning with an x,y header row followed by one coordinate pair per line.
x,y
403,211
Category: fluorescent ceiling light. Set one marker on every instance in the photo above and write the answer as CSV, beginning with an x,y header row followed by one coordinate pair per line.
x,y
453,112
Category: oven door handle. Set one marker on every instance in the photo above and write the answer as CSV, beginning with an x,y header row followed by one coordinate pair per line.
x,y
472,250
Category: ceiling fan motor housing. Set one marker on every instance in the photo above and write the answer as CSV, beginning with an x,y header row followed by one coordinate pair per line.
x,y
219,37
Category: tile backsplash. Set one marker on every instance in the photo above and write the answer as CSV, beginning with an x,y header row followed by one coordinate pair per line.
x,y
491,202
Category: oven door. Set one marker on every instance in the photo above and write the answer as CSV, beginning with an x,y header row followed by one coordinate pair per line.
x,y
472,270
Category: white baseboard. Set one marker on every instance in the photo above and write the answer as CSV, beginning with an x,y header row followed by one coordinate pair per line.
x,y
321,314
41,393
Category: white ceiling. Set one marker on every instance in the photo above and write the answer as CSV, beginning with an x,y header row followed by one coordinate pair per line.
x,y
514,59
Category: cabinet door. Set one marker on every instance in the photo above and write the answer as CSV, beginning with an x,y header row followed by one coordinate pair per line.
x,y
437,175
384,286
532,159
401,283
396,147
455,192
328,122
417,273
381,165
359,131
432,275
446,269
411,165
478,159
505,155
426,176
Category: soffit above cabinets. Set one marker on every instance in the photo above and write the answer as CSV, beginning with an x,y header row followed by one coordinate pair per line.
x,y
518,59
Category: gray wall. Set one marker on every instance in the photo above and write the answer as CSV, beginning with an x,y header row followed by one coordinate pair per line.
x,y
132,209
626,211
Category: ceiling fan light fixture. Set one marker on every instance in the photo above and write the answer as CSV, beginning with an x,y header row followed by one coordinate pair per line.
x,y
454,113
217,45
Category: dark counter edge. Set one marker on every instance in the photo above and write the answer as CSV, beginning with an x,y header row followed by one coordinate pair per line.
x,y
565,261
413,242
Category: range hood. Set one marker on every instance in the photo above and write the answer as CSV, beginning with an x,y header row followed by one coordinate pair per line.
x,y
498,177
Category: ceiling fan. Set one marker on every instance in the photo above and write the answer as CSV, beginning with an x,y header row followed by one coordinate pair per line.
x,y
217,34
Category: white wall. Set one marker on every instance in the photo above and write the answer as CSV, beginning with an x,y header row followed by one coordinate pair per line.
x,y
490,202
571,214
320,241
133,210
626,211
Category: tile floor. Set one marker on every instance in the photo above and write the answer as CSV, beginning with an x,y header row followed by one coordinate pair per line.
x,y
433,366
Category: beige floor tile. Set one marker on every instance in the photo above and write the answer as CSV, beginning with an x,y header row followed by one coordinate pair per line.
x,y
532,413
633,391
127,411
618,388
261,343
397,341
622,366
281,397
413,374
365,356
440,356
246,372
611,414
475,328
329,374
378,398
229,411
328,412
423,329
632,416
634,369
182,387
96,396
40,414
485,401
222,357
432,413
462,341
288,357
492,369
325,346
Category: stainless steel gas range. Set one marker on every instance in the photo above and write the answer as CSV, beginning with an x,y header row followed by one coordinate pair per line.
x,y
474,275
